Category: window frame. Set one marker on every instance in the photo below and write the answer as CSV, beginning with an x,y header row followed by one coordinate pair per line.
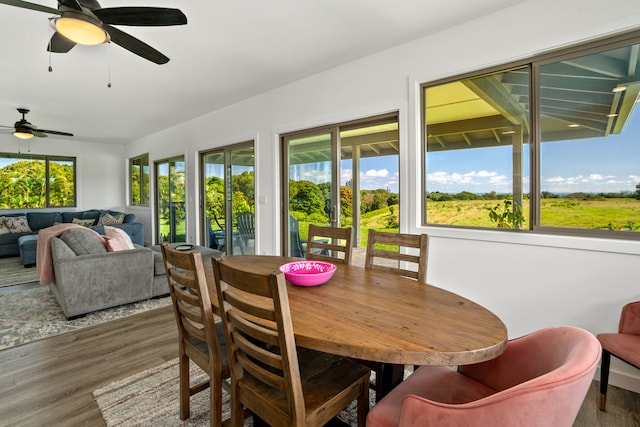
x,y
47,159
141,195
534,63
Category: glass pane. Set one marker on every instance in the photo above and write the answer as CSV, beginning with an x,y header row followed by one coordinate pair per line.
x,y
135,170
178,212
310,187
243,200
61,183
214,206
477,161
371,152
22,183
144,180
170,176
590,129
162,186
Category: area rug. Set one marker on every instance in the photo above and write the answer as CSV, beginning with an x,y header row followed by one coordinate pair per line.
x,y
14,273
150,398
34,314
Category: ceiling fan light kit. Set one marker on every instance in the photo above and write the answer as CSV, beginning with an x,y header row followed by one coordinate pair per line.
x,y
80,29
23,134
25,130
86,22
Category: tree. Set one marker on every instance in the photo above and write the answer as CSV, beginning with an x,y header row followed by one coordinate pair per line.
x,y
23,184
306,197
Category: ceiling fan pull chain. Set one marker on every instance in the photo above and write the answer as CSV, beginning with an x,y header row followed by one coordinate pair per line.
x,y
49,47
109,48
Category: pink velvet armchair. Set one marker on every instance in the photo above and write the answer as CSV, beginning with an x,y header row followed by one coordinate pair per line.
x,y
625,345
540,380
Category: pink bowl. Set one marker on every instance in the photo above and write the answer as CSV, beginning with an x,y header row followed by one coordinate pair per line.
x,y
308,273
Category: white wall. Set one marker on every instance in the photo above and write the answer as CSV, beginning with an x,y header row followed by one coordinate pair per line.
x,y
530,281
100,168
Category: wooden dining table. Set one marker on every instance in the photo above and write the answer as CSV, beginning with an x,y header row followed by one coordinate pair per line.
x,y
378,316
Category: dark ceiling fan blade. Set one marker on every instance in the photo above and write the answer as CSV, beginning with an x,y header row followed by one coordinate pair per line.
x,y
71,4
141,16
32,6
53,132
134,45
38,134
59,44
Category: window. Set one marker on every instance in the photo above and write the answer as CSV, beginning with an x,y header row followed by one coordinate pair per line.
x,y
34,181
549,145
139,180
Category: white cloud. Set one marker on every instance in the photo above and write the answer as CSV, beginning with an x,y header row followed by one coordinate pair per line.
x,y
379,173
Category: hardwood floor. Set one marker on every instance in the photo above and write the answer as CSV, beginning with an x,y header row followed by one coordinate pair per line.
x,y
49,382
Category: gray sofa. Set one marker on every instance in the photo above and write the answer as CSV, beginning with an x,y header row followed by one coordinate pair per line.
x,y
90,278
9,245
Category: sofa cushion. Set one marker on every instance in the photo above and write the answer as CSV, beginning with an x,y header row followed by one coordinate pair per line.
x,y
108,219
85,222
89,214
158,264
17,224
3,228
83,242
39,220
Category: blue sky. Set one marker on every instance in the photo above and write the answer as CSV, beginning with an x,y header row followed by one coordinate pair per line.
x,y
375,172
610,164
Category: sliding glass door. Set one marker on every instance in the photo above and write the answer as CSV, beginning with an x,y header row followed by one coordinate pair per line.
x,y
227,180
170,200
340,176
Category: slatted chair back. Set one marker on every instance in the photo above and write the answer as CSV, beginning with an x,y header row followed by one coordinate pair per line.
x,y
386,259
329,244
201,339
268,371
246,225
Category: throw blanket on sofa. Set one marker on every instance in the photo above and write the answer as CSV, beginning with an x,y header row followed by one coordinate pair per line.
x,y
44,262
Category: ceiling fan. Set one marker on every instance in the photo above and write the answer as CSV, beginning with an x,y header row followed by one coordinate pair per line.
x,y
86,22
25,130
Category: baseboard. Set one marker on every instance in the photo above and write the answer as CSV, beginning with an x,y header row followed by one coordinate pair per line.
x,y
622,379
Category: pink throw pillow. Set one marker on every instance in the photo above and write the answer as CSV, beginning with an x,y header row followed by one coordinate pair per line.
x,y
119,234
113,245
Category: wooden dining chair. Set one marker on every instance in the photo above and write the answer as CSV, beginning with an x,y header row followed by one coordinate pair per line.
x,y
384,258
201,339
412,248
279,383
329,244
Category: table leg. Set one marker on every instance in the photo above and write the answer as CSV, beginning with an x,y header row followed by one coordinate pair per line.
x,y
392,375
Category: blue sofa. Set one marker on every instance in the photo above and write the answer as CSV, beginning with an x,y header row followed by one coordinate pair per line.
x,y
14,244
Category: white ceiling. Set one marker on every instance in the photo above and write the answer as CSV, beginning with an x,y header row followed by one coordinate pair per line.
x,y
228,51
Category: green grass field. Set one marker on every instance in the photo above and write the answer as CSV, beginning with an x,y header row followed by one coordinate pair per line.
x,y
605,214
